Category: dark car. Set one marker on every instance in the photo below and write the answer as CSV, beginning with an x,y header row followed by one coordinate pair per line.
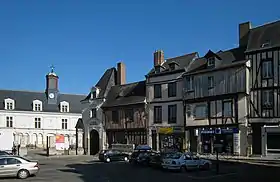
x,y
156,160
140,154
112,155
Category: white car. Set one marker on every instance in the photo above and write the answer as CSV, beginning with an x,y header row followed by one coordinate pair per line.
x,y
184,162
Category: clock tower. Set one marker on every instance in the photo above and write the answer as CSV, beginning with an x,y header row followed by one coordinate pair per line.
x,y
52,87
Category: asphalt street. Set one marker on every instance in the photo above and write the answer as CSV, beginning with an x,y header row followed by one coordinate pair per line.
x,y
87,170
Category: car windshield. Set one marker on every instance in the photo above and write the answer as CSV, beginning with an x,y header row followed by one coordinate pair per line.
x,y
174,156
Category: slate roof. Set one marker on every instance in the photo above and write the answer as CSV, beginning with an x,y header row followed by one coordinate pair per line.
x,y
267,35
180,61
228,58
24,100
128,94
103,83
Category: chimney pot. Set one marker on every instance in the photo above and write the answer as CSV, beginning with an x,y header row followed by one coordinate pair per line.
x,y
244,29
158,57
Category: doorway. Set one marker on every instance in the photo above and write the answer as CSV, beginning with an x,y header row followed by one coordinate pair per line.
x,y
94,142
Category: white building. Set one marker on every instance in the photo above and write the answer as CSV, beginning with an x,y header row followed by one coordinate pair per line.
x,y
95,135
164,99
32,116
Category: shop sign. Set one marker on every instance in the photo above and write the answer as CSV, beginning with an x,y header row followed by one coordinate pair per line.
x,y
178,129
229,130
220,131
207,131
165,130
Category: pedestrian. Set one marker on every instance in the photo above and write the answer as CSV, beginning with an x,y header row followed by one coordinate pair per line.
x,y
18,148
14,150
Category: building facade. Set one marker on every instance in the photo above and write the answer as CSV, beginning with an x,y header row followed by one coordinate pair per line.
x,y
263,49
95,135
215,105
33,116
125,112
164,99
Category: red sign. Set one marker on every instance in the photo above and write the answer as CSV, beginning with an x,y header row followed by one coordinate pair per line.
x,y
59,139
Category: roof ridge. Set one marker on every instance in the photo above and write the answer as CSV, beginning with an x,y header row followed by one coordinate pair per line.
x,y
41,92
266,24
182,55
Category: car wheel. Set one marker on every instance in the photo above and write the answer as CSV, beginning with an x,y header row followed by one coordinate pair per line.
x,y
23,174
108,159
183,168
206,166
125,159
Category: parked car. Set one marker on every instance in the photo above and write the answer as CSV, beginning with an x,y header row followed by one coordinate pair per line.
x,y
4,153
184,162
113,155
14,166
139,154
156,160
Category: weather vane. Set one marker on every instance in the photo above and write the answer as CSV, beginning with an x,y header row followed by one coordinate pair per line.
x,y
52,68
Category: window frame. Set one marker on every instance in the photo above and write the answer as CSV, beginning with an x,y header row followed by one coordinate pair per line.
x,y
9,121
157,114
205,111
211,61
115,116
157,91
230,113
268,95
210,82
64,124
129,115
172,89
189,83
268,72
172,114
37,123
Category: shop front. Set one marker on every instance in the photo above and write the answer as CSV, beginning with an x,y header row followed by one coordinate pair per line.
x,y
227,137
171,139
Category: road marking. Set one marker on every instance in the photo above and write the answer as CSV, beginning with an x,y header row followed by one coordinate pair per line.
x,y
210,177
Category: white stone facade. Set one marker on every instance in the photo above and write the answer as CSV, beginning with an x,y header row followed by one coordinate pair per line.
x,y
22,123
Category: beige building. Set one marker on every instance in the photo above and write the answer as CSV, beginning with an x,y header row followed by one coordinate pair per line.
x,y
164,101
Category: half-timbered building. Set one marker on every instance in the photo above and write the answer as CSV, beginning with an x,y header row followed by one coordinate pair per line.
x,y
125,112
165,105
263,49
215,89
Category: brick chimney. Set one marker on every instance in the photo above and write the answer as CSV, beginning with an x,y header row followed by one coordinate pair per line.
x,y
158,57
121,74
244,29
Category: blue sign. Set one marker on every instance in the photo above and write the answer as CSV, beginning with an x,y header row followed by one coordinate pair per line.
x,y
220,131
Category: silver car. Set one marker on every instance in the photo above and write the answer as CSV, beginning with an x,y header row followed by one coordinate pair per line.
x,y
15,166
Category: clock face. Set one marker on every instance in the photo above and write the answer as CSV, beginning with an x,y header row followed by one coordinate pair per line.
x,y
51,95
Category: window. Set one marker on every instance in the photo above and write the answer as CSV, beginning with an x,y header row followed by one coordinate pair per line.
x,y
267,98
37,122
64,124
37,107
115,116
64,108
188,110
172,66
157,69
157,91
227,112
11,161
129,115
93,113
3,161
172,113
189,83
211,61
9,106
267,69
157,114
200,112
93,95
172,89
210,82
9,121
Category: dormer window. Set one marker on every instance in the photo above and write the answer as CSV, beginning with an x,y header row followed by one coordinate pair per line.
x,y
64,106
37,105
211,61
172,66
9,104
157,69
93,95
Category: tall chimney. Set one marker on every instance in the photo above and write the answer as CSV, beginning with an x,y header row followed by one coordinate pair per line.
x,y
158,57
244,29
121,75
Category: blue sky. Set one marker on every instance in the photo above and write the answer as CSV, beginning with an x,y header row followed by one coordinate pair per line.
x,y
84,38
